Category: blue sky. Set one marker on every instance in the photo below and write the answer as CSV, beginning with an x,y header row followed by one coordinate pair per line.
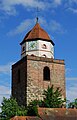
x,y
57,17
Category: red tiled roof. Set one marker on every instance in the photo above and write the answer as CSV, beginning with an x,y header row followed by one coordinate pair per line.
x,y
57,114
25,118
36,33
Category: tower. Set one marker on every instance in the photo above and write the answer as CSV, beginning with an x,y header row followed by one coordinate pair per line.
x,y
37,43
37,69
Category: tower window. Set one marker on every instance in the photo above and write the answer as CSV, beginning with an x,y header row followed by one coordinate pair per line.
x,y
18,76
44,46
46,73
32,55
23,49
44,55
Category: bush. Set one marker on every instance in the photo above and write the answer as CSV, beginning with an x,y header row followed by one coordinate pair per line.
x,y
73,104
32,108
32,111
52,99
10,108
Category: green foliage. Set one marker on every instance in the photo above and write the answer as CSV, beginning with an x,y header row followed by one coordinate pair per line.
x,y
22,111
52,98
35,103
32,111
10,108
32,108
73,104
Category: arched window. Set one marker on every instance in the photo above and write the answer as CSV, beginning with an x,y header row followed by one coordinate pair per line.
x,y
32,55
44,46
18,76
44,55
46,73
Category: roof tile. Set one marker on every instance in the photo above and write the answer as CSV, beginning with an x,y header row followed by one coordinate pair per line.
x,y
37,32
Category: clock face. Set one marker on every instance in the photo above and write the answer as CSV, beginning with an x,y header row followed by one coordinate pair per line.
x,y
32,45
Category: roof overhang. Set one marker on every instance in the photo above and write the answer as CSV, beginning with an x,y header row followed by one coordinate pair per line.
x,y
37,39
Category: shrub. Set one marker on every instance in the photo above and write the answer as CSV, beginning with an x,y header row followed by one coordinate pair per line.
x,y
32,111
52,99
10,108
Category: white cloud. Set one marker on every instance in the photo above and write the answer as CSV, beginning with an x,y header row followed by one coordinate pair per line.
x,y
71,88
55,26
72,10
4,92
57,2
68,70
27,24
5,69
9,5
71,78
42,21
71,5
71,92
72,1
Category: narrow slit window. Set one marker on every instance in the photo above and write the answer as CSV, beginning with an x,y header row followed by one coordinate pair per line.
x,y
18,76
23,49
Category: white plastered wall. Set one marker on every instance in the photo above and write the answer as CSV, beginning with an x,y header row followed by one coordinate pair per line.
x,y
39,51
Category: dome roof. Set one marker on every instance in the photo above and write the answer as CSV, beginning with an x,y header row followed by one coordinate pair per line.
x,y
36,33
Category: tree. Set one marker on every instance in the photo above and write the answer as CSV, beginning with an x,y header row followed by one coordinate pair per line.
x,y
52,98
73,104
10,108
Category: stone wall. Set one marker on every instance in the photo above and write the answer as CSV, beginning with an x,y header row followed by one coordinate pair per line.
x,y
31,83
35,82
19,87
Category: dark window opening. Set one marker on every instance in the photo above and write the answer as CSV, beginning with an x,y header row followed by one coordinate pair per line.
x,y
46,73
44,46
18,76
23,49
44,56
32,55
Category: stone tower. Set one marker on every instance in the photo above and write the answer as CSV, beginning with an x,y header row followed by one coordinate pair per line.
x,y
37,69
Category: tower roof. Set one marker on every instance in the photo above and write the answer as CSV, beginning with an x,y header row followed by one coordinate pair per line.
x,y
37,33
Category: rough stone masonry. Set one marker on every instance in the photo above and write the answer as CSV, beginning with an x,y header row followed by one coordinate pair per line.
x,y
28,78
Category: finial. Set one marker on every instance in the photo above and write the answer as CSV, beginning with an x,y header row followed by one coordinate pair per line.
x,y
36,19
